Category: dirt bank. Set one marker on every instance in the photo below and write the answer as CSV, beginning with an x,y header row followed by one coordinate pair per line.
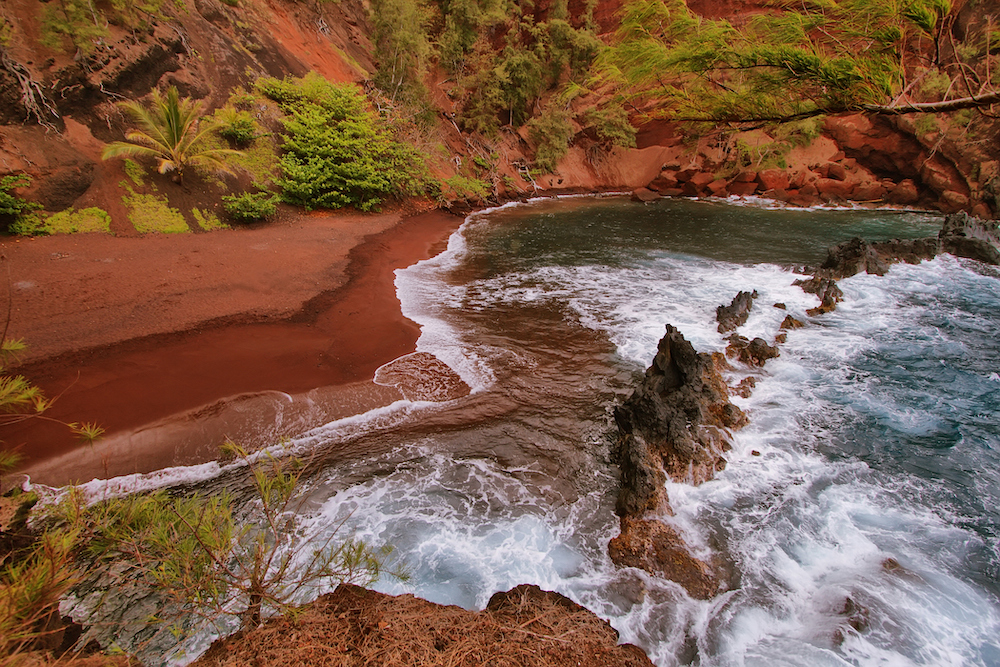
x,y
153,338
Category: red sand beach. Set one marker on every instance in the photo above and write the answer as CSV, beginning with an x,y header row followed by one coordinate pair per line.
x,y
174,343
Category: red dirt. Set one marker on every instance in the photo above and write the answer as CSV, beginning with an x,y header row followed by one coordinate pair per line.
x,y
127,331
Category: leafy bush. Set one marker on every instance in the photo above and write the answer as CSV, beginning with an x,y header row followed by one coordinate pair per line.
x,y
251,206
552,132
462,187
612,125
13,208
236,125
337,152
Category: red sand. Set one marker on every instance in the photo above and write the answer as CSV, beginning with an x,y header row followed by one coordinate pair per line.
x,y
127,332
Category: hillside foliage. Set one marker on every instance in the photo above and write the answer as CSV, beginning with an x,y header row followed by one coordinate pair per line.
x,y
337,151
791,60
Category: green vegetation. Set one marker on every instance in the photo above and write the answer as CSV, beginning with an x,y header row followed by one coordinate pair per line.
x,y
251,206
502,86
190,553
461,187
15,209
170,132
207,220
804,59
135,172
551,132
236,125
402,49
72,221
149,213
336,151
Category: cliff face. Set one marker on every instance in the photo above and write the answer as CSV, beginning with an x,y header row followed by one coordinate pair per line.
x,y
57,110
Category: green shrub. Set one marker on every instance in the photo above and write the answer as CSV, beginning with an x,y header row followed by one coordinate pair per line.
x,y
236,125
251,206
14,209
461,187
552,132
207,220
612,126
337,152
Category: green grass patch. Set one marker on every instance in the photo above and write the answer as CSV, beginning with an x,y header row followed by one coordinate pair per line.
x,y
149,213
72,221
135,172
208,220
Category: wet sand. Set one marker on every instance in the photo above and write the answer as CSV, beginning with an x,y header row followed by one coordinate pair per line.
x,y
174,344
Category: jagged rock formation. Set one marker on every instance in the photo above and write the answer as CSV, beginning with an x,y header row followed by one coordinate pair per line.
x,y
354,626
676,424
736,313
961,235
677,420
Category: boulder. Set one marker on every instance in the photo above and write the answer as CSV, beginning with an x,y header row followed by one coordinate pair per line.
x,y
826,289
952,201
751,352
698,183
773,179
836,172
790,323
742,189
718,187
665,181
870,191
660,550
736,313
831,186
905,193
851,257
965,236
644,195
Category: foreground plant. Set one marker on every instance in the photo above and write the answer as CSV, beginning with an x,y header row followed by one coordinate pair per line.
x,y
169,131
206,563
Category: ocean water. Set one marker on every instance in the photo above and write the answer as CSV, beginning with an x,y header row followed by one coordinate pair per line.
x,y
857,520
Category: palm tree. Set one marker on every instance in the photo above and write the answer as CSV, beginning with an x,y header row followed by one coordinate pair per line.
x,y
170,132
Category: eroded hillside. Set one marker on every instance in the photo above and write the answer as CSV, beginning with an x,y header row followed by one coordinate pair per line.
x,y
503,99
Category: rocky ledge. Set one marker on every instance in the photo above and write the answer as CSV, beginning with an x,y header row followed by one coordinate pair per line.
x,y
355,626
961,235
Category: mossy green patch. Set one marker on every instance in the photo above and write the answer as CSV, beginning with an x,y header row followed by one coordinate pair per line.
x,y
72,221
135,172
149,213
208,220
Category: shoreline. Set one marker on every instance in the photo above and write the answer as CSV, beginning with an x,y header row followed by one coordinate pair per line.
x,y
248,376
171,398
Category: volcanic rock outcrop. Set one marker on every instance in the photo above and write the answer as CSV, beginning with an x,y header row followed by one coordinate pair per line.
x,y
676,424
736,313
961,235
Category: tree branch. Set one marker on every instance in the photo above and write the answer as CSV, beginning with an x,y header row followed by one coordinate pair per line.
x,y
971,102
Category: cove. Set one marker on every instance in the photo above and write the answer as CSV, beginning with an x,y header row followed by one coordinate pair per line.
x,y
864,531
